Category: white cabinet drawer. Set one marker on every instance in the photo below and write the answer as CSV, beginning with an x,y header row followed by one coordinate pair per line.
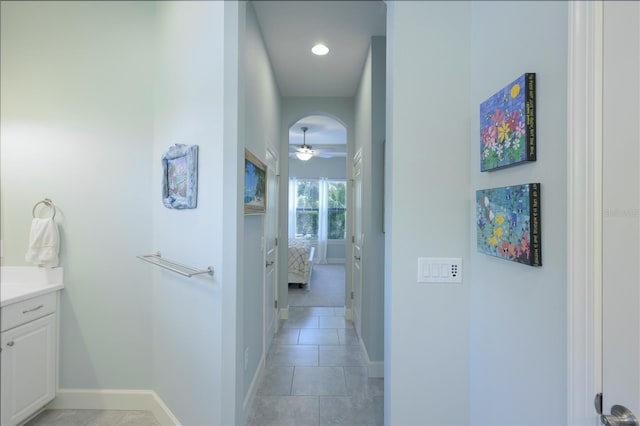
x,y
27,310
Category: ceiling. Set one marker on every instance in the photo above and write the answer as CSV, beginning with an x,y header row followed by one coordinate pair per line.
x,y
291,28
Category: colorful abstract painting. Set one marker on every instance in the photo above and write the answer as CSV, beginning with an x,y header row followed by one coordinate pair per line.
x,y
508,223
508,125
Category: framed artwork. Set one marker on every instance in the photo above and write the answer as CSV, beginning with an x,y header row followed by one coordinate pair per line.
x,y
508,223
255,180
508,125
180,177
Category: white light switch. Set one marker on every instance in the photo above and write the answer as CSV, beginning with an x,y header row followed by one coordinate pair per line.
x,y
439,270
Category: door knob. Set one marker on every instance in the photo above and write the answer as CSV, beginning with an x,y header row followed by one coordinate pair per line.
x,y
620,416
269,263
356,257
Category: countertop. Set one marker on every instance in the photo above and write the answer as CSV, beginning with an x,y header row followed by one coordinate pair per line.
x,y
18,283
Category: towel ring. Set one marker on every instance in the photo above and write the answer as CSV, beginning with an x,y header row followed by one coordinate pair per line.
x,y
47,202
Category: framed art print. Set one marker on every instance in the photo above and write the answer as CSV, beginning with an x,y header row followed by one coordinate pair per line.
x,y
508,125
180,177
255,179
508,223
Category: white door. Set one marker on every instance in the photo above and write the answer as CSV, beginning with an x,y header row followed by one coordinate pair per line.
x,y
621,207
271,250
356,276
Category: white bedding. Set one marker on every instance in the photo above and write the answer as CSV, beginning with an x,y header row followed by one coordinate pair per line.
x,y
300,261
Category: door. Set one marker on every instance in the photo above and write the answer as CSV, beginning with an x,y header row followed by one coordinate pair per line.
x,y
271,250
358,240
621,207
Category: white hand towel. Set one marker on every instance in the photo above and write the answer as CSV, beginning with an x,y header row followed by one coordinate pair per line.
x,y
44,243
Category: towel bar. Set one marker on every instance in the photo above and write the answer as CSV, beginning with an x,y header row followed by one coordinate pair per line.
x,y
173,266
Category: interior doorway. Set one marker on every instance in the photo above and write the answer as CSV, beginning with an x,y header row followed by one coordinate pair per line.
x,y
317,212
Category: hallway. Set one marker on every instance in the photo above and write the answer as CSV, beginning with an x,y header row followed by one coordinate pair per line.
x,y
315,374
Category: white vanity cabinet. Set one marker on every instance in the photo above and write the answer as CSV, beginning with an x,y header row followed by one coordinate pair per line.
x,y
28,358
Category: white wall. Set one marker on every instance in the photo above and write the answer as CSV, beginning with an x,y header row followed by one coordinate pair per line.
x,y
262,127
428,98
93,93
491,350
187,313
293,109
369,138
77,127
518,313
332,168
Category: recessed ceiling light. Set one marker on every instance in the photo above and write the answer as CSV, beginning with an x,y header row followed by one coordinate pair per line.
x,y
320,49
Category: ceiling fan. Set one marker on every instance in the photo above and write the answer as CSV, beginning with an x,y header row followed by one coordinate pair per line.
x,y
304,151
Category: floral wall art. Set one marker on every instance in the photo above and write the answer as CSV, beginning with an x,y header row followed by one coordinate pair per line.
x,y
508,125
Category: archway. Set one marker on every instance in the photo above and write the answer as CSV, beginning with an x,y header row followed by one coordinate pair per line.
x,y
317,213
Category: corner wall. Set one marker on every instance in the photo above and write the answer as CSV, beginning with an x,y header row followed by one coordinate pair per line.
x,y
261,123
518,313
77,127
369,137
427,325
187,312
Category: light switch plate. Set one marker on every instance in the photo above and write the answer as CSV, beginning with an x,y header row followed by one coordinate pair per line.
x,y
439,270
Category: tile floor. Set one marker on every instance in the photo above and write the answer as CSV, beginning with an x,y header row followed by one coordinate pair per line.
x,y
315,375
93,418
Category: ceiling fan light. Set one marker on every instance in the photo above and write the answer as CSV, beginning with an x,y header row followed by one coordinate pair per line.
x,y
304,155
304,152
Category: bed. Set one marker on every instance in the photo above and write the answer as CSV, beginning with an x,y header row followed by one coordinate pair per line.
x,y
301,254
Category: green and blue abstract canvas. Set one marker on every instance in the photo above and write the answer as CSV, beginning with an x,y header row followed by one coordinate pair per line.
x,y
508,223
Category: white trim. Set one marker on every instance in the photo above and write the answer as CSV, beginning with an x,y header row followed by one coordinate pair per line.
x,y
584,211
284,313
248,399
336,261
348,314
374,368
114,399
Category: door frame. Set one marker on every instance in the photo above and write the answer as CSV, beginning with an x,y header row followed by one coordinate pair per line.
x,y
358,158
271,151
584,210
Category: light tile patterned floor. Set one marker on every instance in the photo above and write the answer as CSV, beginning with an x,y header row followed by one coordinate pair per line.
x,y
315,375
93,418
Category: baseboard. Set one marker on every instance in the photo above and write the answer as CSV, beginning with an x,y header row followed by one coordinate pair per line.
x,y
284,313
374,368
248,399
336,261
348,314
114,399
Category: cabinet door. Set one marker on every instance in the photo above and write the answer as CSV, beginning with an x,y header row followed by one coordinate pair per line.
x,y
28,369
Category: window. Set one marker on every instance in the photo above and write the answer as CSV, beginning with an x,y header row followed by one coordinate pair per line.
x,y
337,209
309,209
